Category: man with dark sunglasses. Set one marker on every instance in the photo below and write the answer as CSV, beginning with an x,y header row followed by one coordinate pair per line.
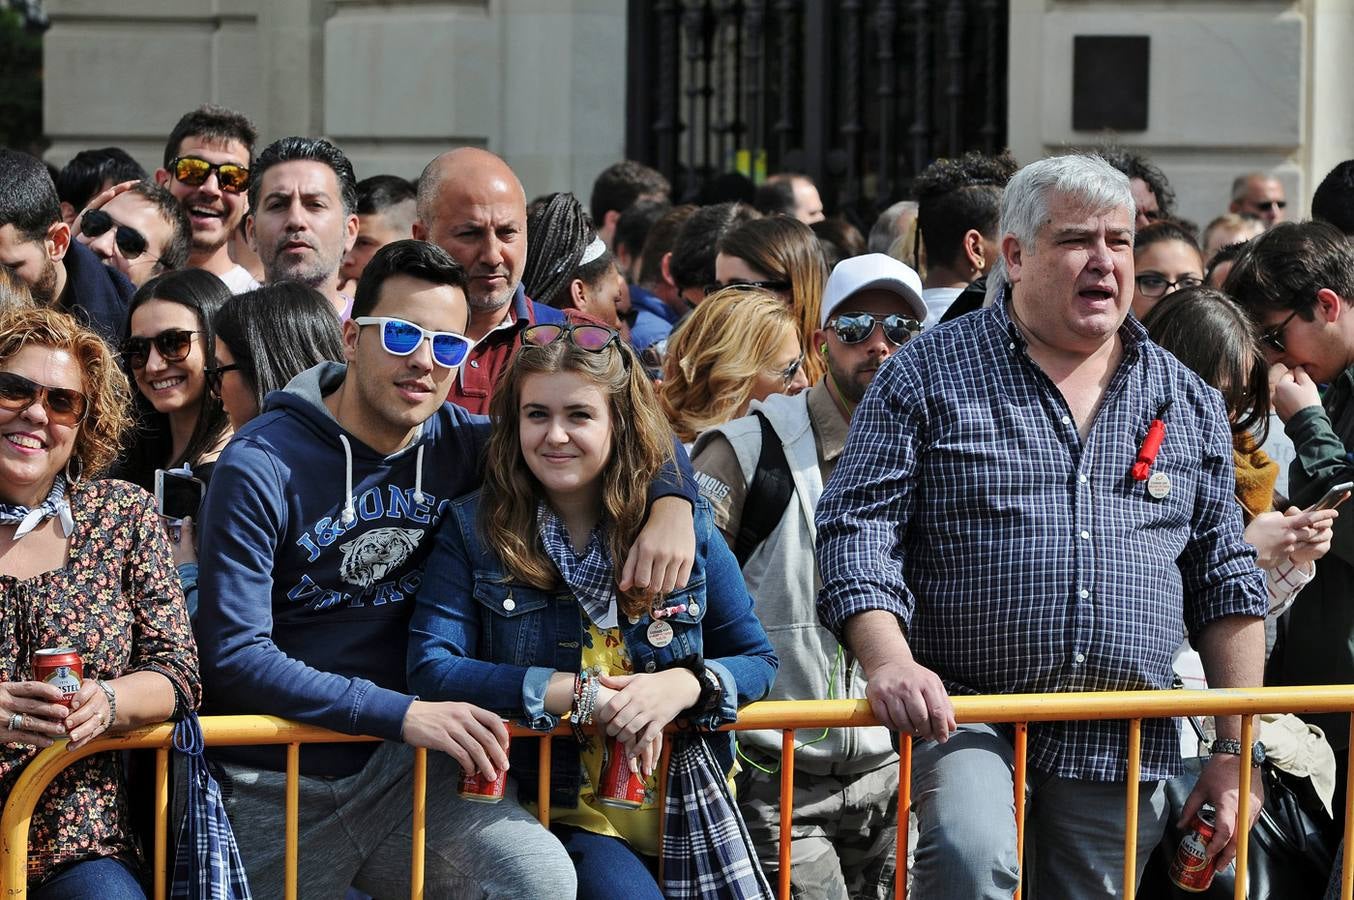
x,y
207,169
315,533
1259,194
1297,283
846,781
141,232
36,245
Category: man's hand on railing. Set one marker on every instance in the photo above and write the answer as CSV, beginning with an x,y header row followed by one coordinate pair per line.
x,y
910,698
474,737
1219,785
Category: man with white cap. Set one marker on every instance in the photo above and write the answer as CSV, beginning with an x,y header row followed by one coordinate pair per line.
x,y
763,474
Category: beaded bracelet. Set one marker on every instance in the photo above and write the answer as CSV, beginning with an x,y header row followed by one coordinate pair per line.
x,y
112,702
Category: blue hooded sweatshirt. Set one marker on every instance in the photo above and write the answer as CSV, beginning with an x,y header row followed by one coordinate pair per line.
x,y
313,546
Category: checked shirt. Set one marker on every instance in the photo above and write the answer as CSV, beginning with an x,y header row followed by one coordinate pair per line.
x,y
1020,559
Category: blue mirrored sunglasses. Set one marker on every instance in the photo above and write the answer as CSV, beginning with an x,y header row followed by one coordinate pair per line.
x,y
402,338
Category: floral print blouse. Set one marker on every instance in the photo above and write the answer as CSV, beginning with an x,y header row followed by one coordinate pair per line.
x,y
117,601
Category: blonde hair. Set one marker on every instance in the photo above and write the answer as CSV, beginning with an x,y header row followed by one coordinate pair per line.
x,y
641,444
13,291
713,357
99,439
786,250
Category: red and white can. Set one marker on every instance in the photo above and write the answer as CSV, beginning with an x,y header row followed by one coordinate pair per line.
x,y
1192,869
620,787
475,786
62,667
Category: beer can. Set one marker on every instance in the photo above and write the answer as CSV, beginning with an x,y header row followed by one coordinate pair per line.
x,y
474,786
620,787
62,667
1192,870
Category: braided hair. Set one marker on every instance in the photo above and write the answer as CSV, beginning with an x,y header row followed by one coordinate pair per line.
x,y
558,231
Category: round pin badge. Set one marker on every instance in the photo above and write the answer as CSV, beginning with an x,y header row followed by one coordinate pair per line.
x,y
660,633
1159,485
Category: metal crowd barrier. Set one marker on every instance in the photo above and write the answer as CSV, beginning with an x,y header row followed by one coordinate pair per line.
x,y
783,716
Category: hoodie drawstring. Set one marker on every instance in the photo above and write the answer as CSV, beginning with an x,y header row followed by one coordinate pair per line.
x,y
349,515
349,511
418,476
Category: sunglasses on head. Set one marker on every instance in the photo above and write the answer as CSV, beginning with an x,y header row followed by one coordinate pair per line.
x,y
594,338
401,338
64,406
214,374
194,170
775,287
172,344
852,328
131,243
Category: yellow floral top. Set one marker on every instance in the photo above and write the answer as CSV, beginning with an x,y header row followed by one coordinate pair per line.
x,y
604,654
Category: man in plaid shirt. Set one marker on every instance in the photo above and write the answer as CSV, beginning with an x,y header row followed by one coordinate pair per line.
x,y
985,531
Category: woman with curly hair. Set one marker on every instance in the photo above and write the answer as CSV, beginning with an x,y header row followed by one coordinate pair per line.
x,y
781,255
84,564
741,344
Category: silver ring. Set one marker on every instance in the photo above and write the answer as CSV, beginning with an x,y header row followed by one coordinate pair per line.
x,y
16,722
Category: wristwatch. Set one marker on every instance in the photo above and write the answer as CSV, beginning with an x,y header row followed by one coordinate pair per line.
x,y
1233,747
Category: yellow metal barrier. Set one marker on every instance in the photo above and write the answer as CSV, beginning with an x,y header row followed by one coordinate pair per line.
x,y
783,716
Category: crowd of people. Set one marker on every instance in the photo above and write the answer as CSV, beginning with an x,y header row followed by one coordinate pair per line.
x,y
468,457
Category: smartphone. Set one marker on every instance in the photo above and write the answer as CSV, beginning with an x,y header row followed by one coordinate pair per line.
x,y
1334,497
178,495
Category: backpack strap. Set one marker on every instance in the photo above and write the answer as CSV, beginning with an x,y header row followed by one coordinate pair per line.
x,y
768,494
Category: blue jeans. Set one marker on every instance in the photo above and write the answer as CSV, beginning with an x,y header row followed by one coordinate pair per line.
x,y
106,878
608,868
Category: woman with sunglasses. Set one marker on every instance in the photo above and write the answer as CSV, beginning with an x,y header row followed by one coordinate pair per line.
x,y
519,609
1207,331
83,564
1166,259
782,255
167,351
741,344
264,339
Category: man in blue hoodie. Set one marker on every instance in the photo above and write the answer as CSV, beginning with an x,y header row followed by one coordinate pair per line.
x,y
314,539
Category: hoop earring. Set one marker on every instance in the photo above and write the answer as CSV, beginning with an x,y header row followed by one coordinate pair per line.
x,y
74,469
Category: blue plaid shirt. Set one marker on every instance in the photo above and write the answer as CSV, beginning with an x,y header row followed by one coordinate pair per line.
x,y
1020,559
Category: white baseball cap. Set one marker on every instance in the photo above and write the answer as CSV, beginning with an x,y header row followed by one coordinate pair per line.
x,y
872,271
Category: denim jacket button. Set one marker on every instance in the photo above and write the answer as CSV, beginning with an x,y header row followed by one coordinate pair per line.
x,y
634,620
509,604
650,666
694,609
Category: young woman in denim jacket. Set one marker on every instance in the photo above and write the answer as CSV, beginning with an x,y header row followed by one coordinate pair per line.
x,y
520,597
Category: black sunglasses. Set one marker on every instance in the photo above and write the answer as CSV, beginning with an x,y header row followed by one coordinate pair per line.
x,y
1272,337
173,345
64,406
852,328
194,170
215,373
775,287
131,243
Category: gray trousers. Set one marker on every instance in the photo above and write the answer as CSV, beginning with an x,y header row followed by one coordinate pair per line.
x,y
963,798
358,831
843,831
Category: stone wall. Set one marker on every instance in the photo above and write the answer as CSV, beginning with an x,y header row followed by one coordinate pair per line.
x,y
1234,86
541,82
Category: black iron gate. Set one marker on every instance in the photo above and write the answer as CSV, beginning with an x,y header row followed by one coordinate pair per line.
x,y
858,94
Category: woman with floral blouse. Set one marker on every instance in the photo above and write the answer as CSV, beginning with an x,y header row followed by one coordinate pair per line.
x,y
83,564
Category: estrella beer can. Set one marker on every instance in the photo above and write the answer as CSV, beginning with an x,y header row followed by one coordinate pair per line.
x,y
62,667
475,786
1192,870
620,787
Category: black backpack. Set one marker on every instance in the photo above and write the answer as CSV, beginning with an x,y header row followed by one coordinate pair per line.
x,y
768,494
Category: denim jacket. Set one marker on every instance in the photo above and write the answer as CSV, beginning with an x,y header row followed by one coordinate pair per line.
x,y
479,637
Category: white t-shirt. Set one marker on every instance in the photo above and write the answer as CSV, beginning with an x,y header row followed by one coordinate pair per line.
x,y
937,301
239,280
